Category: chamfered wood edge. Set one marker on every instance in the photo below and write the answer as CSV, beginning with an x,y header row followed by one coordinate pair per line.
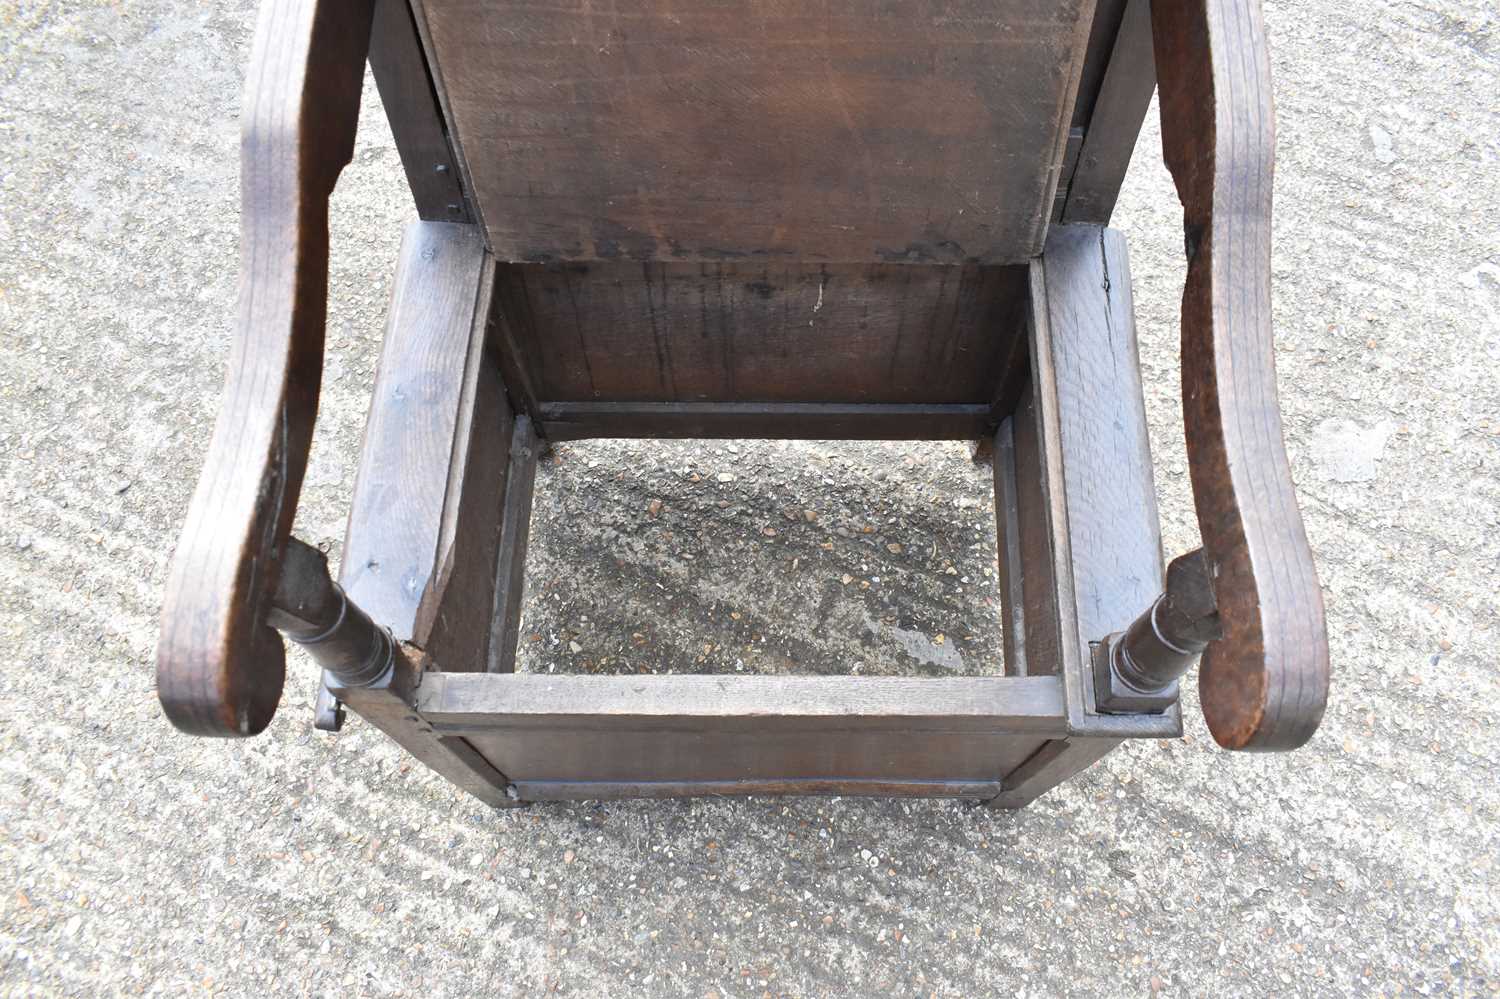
x,y
416,421
483,700
544,790
389,707
1056,761
510,557
561,421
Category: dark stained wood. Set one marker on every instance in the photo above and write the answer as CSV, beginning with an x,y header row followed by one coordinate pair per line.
x,y
703,728
1117,114
1107,17
312,610
763,332
391,545
796,786
1066,171
1056,761
779,421
1038,628
220,667
1264,685
648,130
388,707
1008,546
583,747
723,221
1113,530
510,560
411,106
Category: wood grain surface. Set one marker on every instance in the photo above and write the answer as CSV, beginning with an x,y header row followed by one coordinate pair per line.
x,y
782,421
703,728
411,106
778,332
1264,685
909,131
220,667
1118,112
395,514
598,790
1114,533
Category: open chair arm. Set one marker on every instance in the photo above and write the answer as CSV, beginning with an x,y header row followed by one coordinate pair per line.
x,y
1265,682
220,666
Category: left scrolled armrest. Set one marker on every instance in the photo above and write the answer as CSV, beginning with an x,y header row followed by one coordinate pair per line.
x,y
220,664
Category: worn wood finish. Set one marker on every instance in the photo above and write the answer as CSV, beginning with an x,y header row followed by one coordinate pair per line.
x,y
1107,18
595,790
456,605
411,105
220,667
388,706
396,512
1008,542
1054,762
776,421
474,701
510,560
1039,628
1089,393
1113,530
691,729
1264,685
783,332
1120,108
657,131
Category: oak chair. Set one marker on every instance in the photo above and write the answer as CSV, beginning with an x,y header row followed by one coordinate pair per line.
x,y
745,219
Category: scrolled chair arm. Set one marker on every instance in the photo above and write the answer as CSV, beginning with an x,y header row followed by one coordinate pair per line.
x,y
220,664
1264,684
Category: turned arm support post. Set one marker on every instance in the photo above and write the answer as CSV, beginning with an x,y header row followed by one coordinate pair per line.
x,y
313,611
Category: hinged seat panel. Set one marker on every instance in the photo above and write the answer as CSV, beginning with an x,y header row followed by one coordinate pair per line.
x,y
905,131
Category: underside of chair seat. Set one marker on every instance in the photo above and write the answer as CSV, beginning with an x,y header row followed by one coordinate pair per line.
x,y
906,131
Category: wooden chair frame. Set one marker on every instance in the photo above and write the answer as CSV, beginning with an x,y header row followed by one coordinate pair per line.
x,y
419,637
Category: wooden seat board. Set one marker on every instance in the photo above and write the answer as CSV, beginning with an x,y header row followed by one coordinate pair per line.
x,y
906,131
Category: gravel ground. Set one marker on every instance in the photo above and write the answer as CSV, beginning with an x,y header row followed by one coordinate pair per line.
x,y
295,863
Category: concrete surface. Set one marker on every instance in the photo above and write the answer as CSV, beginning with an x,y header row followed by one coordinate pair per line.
x,y
137,860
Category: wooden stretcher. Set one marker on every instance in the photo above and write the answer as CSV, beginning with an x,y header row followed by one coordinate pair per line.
x,y
755,219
